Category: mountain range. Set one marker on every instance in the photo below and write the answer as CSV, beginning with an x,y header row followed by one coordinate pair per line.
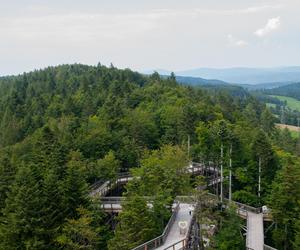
x,y
269,77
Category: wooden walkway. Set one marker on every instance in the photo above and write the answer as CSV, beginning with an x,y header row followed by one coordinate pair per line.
x,y
255,231
174,234
173,239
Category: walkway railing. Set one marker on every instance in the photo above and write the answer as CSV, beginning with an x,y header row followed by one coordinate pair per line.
x,y
266,247
158,241
247,238
184,244
102,188
113,200
239,205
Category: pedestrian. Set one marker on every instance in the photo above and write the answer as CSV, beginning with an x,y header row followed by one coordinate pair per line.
x,y
190,210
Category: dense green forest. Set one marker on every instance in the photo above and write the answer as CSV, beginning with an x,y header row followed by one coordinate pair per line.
x,y
65,127
285,109
291,90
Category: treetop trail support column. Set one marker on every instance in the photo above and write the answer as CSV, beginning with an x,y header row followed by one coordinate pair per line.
x,y
230,174
221,192
259,176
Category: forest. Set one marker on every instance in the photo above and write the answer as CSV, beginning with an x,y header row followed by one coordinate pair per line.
x,y
63,128
291,90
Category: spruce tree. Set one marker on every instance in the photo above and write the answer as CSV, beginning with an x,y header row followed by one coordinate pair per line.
x,y
284,204
22,223
136,225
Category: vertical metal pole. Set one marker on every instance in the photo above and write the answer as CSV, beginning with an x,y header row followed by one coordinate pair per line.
x,y
189,146
259,177
230,173
216,175
221,192
282,115
298,126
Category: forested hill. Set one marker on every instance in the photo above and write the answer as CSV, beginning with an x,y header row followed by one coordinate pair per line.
x,y
65,127
76,93
291,90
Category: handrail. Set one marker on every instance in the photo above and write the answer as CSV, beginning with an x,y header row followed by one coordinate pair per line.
x,y
239,205
266,247
101,181
158,241
113,200
102,187
96,184
247,238
108,185
184,242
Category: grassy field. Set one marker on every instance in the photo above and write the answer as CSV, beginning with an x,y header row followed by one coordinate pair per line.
x,y
295,134
292,103
293,129
271,105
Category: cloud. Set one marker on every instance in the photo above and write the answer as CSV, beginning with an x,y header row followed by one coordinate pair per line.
x,y
256,9
236,42
234,11
272,25
71,27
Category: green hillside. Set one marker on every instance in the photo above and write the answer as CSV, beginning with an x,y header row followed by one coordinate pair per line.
x,y
291,90
68,127
292,103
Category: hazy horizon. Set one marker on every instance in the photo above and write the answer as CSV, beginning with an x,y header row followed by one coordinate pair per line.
x,y
146,35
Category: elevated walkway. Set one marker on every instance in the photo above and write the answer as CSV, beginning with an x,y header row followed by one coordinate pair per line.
x,y
171,237
255,231
174,235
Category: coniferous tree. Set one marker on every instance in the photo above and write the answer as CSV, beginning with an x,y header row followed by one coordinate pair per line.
x,y
78,233
75,188
229,236
284,202
7,175
22,222
136,225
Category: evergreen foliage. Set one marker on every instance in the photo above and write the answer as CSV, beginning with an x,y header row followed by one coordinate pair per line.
x,y
65,127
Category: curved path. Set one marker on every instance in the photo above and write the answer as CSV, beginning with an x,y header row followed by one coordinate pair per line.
x,y
255,228
174,234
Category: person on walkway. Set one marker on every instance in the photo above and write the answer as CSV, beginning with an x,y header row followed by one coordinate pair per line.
x,y
190,209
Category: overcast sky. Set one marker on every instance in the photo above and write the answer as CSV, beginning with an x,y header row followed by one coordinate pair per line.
x,y
149,34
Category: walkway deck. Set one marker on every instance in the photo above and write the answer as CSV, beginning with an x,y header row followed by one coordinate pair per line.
x,y
255,227
255,231
174,234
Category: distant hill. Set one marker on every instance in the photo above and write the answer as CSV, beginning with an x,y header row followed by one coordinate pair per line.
x,y
211,85
195,81
262,86
159,71
246,75
290,90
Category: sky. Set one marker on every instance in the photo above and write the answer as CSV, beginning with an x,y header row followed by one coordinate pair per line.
x,y
149,34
